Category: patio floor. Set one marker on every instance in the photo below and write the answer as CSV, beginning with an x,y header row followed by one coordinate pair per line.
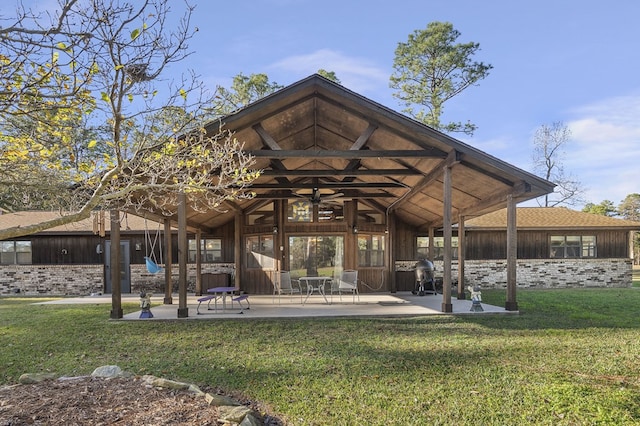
x,y
266,306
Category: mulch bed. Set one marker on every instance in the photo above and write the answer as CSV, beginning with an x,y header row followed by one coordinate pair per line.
x,y
100,401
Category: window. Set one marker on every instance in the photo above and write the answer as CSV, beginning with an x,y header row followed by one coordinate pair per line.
x,y
438,248
573,246
260,252
327,211
210,250
371,250
12,252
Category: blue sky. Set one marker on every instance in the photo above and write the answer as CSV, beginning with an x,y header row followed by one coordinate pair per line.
x,y
570,61
574,61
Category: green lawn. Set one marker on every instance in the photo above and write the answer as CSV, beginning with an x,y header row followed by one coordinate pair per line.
x,y
571,358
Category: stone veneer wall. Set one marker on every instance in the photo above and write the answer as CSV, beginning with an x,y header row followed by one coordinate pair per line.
x,y
82,280
541,273
552,273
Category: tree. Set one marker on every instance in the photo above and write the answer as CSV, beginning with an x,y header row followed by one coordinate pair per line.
x,y
605,208
549,142
330,75
244,90
431,68
629,208
248,89
102,61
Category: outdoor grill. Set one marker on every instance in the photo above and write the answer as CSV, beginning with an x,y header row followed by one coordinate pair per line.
x,y
425,279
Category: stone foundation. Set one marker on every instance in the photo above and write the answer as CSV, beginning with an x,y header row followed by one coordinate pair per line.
x,y
82,280
541,273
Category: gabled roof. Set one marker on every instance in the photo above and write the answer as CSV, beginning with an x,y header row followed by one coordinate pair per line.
x,y
535,218
316,138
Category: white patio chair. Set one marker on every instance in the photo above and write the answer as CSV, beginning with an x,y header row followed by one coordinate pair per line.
x,y
347,283
283,284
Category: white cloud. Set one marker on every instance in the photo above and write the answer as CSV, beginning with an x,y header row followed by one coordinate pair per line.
x,y
357,74
604,151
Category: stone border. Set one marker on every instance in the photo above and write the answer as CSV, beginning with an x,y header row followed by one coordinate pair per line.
x,y
229,409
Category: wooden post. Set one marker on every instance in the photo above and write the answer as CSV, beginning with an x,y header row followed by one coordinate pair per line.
x,y
447,306
238,250
116,282
512,255
183,310
461,258
432,249
391,243
199,262
168,263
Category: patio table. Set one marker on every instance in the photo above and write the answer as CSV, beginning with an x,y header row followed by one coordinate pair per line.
x,y
221,292
315,284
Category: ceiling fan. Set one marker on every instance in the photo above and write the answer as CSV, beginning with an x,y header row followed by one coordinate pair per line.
x,y
317,196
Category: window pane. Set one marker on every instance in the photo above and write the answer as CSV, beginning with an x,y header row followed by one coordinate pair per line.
x,y
260,252
7,253
557,247
573,244
589,246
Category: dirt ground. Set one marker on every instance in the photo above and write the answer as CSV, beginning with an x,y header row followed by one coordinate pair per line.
x,y
99,401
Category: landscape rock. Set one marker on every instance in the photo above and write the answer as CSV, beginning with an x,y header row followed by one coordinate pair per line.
x,y
110,371
220,400
233,414
30,378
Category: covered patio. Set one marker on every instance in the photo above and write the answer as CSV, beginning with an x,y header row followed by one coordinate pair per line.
x,y
263,306
346,184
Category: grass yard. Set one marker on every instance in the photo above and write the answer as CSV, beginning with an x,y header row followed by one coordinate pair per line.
x,y
571,358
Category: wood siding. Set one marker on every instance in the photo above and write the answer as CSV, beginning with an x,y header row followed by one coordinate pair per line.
x,y
488,245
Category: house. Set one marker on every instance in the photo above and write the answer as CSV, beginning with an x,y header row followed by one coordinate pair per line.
x,y
74,259
557,247
346,183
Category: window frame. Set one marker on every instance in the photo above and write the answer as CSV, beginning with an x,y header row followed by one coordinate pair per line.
x,y
422,251
373,253
204,251
20,256
573,246
262,258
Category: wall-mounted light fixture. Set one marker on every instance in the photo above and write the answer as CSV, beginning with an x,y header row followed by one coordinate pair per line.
x,y
99,249
65,251
138,246
355,229
275,229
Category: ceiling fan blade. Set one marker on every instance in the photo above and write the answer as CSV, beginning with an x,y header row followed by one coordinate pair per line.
x,y
331,196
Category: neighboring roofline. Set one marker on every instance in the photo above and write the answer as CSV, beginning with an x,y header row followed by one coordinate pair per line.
x,y
573,218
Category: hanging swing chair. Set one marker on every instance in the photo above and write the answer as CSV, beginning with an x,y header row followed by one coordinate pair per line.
x,y
150,249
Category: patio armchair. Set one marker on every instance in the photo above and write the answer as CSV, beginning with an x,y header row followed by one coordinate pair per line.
x,y
284,284
347,283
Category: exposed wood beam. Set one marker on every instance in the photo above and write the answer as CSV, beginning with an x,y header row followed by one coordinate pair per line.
x,y
327,185
287,195
517,190
357,172
349,154
266,137
364,137
453,158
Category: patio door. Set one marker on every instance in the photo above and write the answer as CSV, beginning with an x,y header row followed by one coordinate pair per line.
x,y
125,270
312,256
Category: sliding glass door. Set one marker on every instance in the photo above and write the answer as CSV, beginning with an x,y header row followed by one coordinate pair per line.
x,y
312,256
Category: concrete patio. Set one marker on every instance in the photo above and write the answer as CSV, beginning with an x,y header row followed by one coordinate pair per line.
x,y
266,306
